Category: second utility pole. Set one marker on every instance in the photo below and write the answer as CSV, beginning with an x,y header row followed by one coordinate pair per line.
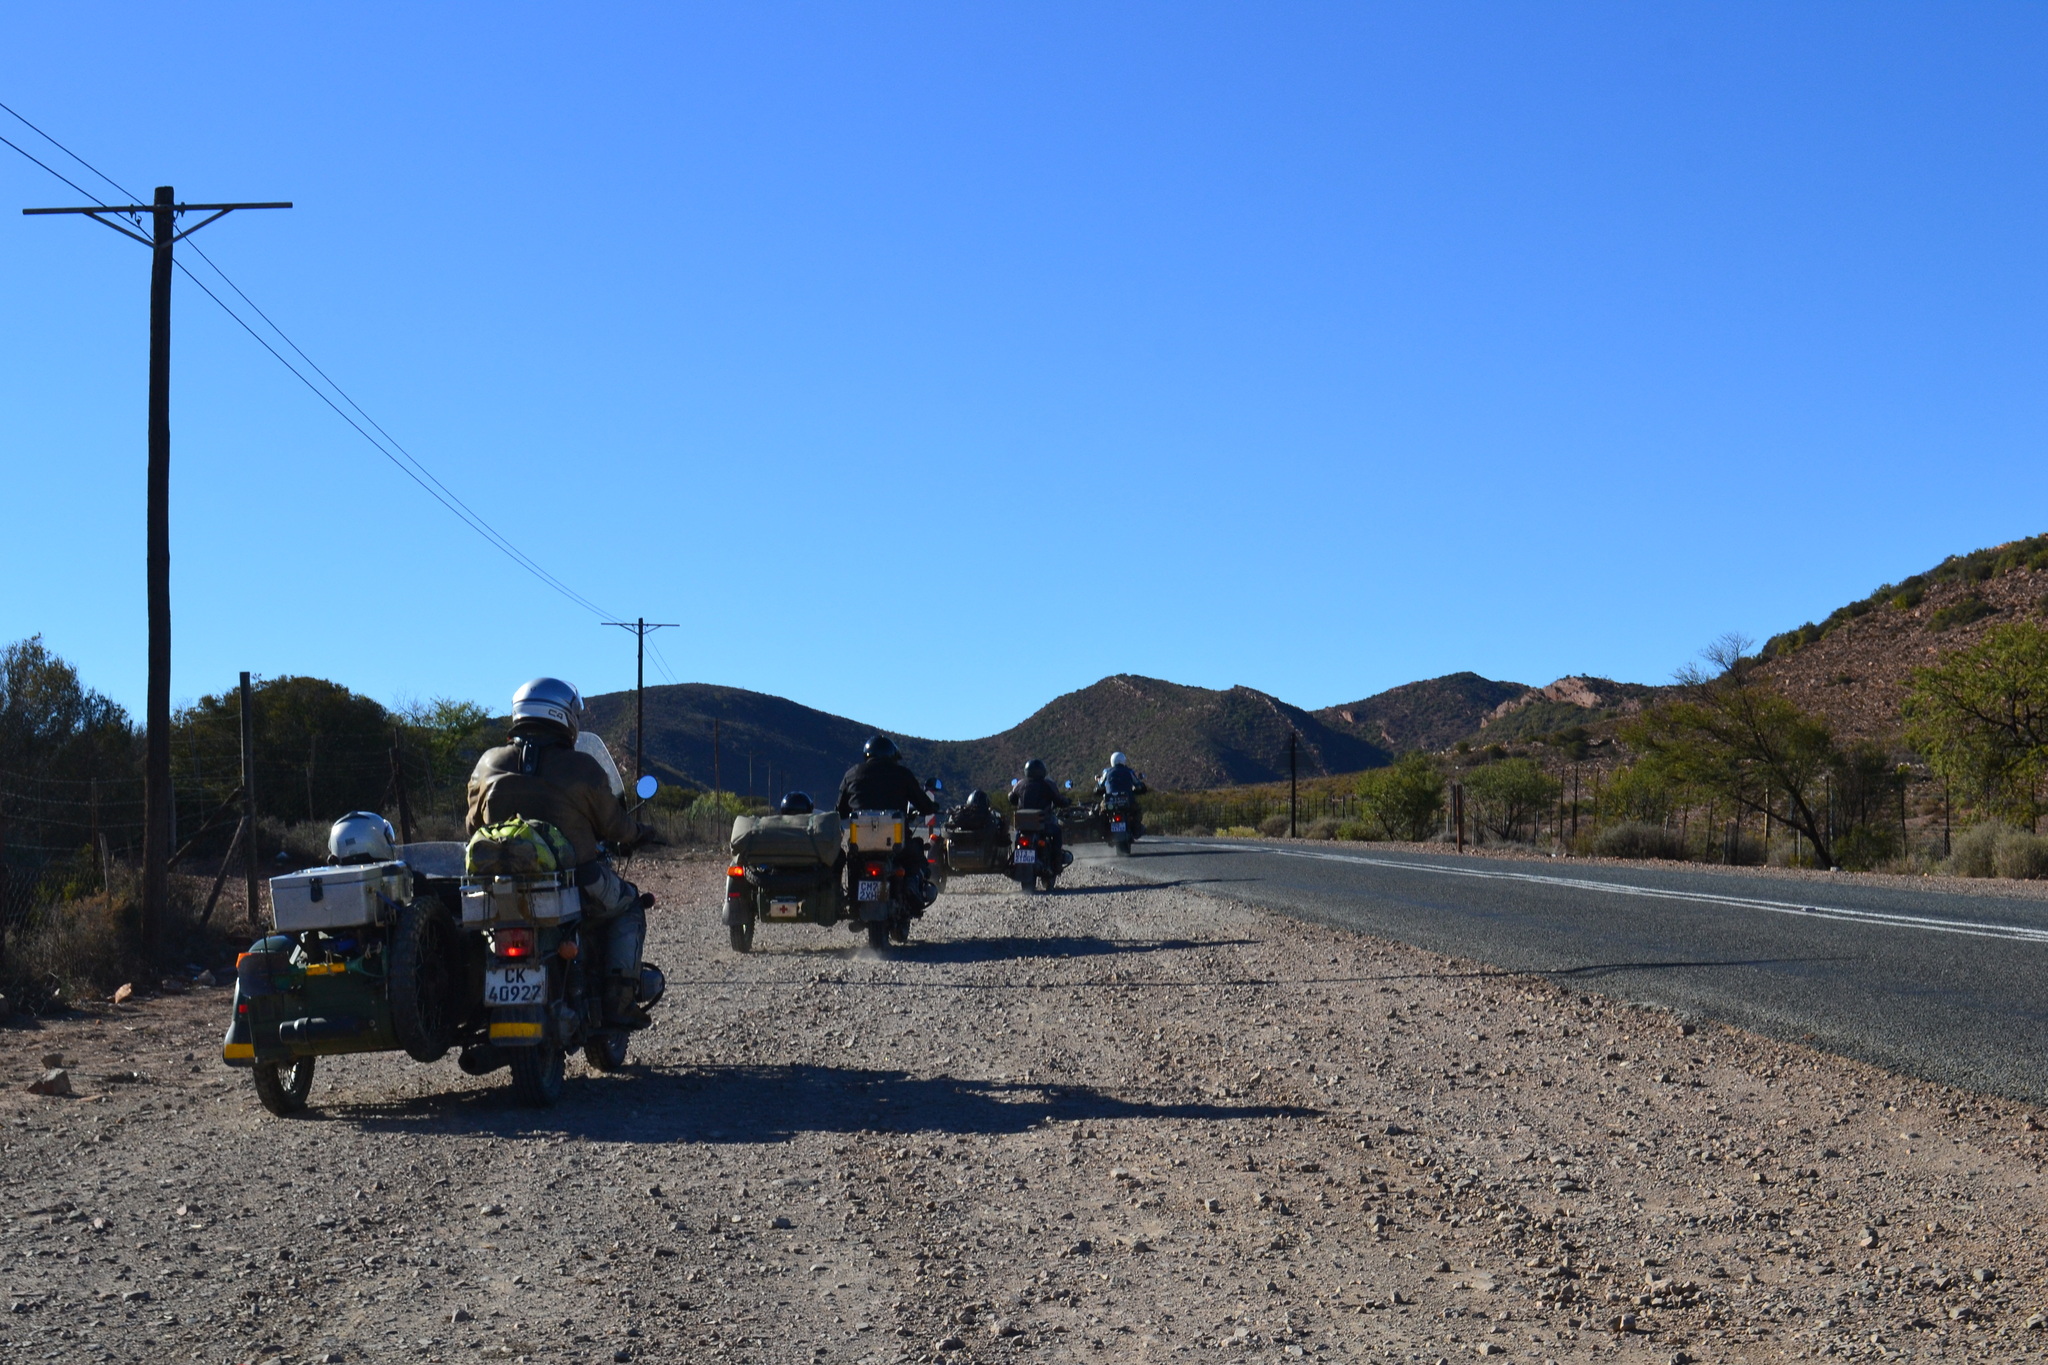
x,y
640,628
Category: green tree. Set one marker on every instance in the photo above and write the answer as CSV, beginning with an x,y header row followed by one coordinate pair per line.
x,y
52,725
1404,801
1733,737
1508,798
1981,717
1641,793
442,741
321,750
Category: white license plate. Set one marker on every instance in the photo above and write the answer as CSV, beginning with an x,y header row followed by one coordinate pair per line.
x,y
1116,827
868,891
785,909
1024,856
515,985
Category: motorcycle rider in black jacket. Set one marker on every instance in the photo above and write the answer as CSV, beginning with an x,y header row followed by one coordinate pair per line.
x,y
1036,792
881,782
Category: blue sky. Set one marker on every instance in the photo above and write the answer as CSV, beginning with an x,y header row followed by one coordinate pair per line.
x,y
927,361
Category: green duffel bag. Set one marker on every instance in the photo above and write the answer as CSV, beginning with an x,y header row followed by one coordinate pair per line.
x,y
786,840
518,847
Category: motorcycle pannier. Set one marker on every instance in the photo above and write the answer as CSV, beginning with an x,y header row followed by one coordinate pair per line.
x,y
875,830
1032,821
786,840
339,897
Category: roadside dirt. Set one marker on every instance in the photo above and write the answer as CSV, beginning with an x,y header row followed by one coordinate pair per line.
x,y
1121,1122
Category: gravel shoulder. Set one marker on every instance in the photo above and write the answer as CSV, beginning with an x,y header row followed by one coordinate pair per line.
x,y
1120,1122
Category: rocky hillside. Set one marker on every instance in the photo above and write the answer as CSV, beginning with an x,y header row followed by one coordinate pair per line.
x,y
1424,715
1853,667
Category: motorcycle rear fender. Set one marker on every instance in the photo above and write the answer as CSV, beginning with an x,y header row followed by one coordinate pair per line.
x,y
874,912
238,1047
518,1025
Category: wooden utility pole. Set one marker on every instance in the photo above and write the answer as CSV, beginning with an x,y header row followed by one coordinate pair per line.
x,y
163,234
640,627
715,787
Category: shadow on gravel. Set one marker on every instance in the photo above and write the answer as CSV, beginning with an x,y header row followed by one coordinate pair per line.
x,y
967,950
775,1103
1608,968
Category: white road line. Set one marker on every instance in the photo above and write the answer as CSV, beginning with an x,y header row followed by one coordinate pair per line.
x,y
1875,918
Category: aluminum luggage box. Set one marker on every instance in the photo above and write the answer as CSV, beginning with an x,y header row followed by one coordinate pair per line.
x,y
339,897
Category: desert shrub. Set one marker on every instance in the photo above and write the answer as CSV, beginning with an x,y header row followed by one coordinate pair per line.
x,y
1237,832
1638,839
2022,855
719,806
1273,826
1356,830
1199,831
1865,846
1974,852
1323,827
1965,609
1994,850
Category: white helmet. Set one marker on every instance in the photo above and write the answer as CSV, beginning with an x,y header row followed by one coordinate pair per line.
x,y
550,699
362,836
1119,760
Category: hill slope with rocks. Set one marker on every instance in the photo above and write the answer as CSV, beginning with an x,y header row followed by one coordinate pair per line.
x,y
1853,667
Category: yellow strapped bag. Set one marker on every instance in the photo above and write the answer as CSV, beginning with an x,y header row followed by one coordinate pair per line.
x,y
518,847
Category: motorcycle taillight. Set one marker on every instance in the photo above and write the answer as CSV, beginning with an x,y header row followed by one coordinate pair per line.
x,y
874,870
512,942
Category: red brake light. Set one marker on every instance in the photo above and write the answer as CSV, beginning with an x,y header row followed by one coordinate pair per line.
x,y
513,943
874,869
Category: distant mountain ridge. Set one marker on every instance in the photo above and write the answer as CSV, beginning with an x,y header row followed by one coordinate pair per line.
x,y
1181,737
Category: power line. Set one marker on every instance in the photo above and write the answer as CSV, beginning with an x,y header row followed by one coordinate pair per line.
x,y
424,477
132,196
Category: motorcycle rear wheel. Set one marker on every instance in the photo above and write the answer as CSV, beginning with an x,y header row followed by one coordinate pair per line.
x,y
899,928
878,935
1123,848
1046,879
538,1073
283,1086
742,935
606,1051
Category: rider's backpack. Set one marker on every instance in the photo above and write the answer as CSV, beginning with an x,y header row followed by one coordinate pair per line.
x,y
518,847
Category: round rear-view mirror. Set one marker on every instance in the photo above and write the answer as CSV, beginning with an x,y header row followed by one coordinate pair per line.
x,y
647,786
938,784
1070,784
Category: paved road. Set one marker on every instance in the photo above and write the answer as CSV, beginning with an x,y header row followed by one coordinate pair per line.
x,y
1952,988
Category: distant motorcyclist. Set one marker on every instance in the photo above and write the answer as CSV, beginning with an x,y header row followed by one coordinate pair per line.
x,y
976,816
541,774
1035,791
1118,779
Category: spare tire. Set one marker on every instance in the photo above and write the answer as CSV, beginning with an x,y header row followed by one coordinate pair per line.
x,y
425,979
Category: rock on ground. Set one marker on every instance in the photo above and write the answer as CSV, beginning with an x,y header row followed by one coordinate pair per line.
x,y
1120,1122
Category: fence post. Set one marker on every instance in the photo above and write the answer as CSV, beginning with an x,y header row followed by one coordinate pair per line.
x,y
1458,811
398,782
249,844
